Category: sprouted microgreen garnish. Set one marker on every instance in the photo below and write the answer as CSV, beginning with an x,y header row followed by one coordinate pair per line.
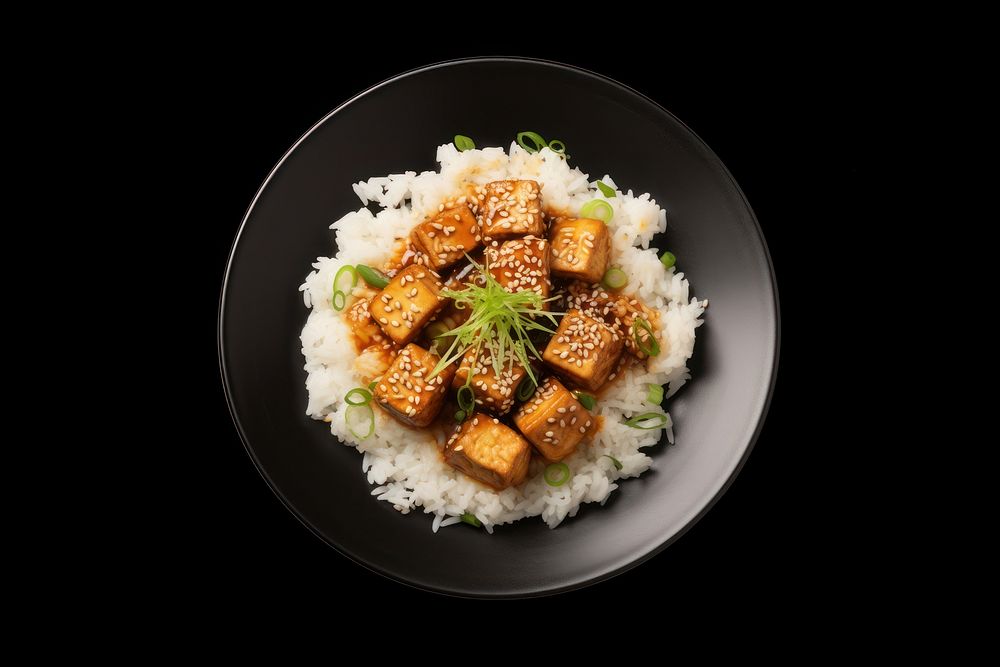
x,y
500,321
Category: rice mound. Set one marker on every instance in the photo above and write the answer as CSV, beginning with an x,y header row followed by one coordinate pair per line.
x,y
409,472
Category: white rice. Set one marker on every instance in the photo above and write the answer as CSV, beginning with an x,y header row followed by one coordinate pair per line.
x,y
409,472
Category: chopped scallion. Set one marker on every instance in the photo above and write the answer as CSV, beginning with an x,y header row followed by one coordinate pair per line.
x,y
614,278
464,143
460,416
358,417
606,190
668,259
655,395
373,277
471,519
525,389
586,400
597,209
372,384
466,399
648,344
338,304
365,395
557,146
339,300
648,421
616,462
537,142
557,474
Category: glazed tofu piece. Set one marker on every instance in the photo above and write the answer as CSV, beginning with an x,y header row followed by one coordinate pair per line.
x,y
491,391
510,208
618,311
489,451
366,331
444,239
584,350
404,390
407,303
553,420
521,264
581,249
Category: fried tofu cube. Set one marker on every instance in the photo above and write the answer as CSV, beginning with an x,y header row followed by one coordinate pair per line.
x,y
521,264
583,350
581,249
618,311
445,238
510,208
489,451
405,391
366,331
553,420
407,303
492,392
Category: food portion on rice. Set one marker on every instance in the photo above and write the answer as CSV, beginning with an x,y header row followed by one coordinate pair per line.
x,y
496,340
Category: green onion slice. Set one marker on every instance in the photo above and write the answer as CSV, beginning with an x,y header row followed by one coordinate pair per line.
x,y
618,464
668,259
557,474
597,209
372,384
339,300
337,291
648,421
648,345
365,395
460,416
373,277
561,148
586,400
525,389
471,519
464,143
614,278
606,190
466,399
358,417
655,395
538,143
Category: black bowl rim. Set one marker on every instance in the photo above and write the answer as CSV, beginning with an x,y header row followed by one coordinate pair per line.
x,y
599,577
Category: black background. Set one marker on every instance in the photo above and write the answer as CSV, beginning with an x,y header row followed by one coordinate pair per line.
x,y
789,138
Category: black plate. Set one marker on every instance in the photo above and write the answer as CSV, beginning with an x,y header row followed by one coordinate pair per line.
x,y
395,126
